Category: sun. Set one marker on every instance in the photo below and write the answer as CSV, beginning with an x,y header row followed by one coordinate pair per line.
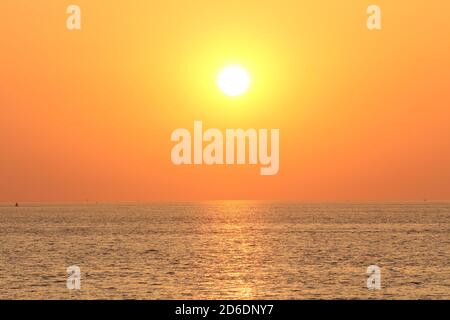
x,y
233,80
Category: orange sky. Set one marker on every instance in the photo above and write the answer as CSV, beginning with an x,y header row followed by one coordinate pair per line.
x,y
88,114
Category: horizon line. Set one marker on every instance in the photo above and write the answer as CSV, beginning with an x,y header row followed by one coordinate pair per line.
x,y
151,202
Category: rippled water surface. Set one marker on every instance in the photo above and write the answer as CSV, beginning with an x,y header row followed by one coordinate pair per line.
x,y
224,250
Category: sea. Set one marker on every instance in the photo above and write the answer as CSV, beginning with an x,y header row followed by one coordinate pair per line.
x,y
226,250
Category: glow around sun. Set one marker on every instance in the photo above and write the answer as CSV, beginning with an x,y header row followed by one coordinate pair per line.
x,y
233,80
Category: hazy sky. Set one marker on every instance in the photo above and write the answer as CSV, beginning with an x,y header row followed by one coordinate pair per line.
x,y
363,115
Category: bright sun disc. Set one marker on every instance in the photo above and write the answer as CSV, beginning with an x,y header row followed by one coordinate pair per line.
x,y
233,80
